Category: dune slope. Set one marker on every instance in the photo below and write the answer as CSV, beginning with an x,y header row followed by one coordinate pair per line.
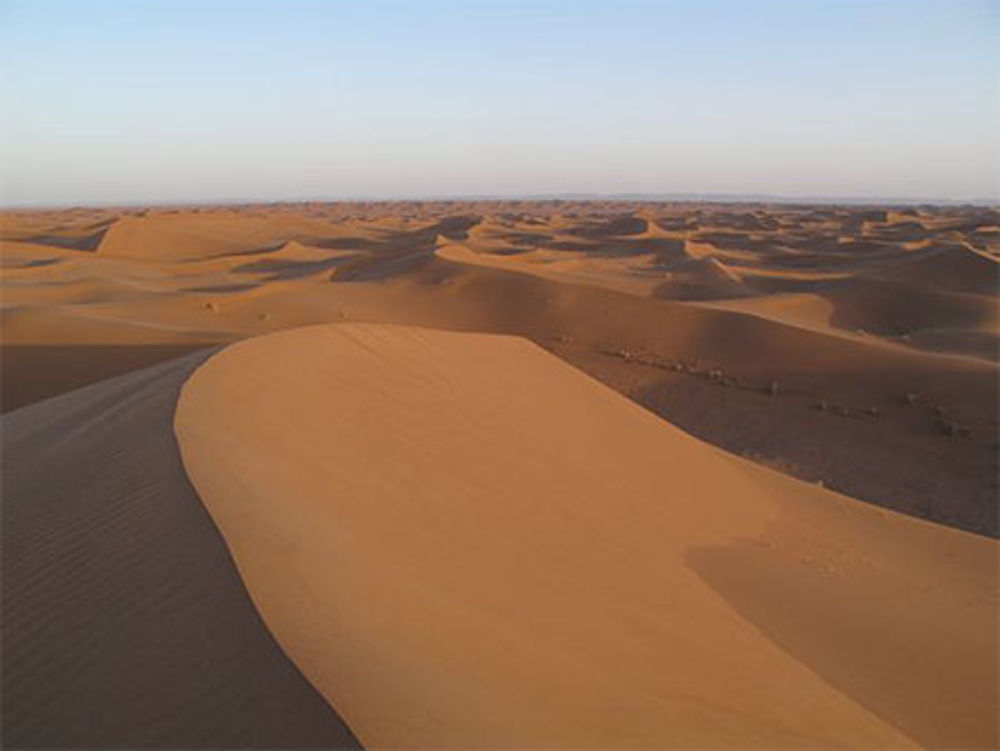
x,y
463,541
125,624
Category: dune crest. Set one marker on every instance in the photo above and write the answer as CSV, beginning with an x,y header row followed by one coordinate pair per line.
x,y
125,624
463,541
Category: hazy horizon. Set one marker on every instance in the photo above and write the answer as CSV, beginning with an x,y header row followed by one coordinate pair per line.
x,y
183,102
623,198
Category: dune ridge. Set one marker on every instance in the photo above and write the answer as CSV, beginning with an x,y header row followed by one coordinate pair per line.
x,y
125,623
461,540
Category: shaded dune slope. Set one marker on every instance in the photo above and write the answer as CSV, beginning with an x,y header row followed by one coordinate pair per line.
x,y
30,374
463,541
125,624
955,267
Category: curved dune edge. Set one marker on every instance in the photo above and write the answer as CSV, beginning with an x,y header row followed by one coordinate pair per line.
x,y
463,541
125,622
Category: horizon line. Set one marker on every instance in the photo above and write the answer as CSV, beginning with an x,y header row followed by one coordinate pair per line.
x,y
623,197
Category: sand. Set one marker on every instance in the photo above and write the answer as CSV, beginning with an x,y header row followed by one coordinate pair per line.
x,y
854,312
125,623
810,299
852,348
464,542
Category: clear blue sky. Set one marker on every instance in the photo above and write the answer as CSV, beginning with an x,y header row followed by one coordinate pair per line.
x,y
184,100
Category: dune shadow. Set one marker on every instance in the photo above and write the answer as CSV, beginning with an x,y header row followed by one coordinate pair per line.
x,y
31,373
88,243
222,288
279,269
619,226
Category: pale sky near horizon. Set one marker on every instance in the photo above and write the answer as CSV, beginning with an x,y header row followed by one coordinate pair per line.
x,y
213,100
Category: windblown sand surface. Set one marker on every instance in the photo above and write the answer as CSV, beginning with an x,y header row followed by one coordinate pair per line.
x,y
464,542
125,624
634,585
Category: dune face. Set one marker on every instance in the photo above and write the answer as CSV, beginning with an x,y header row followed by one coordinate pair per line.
x,y
464,542
180,237
125,624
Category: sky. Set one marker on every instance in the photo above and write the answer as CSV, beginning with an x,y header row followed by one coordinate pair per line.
x,y
139,101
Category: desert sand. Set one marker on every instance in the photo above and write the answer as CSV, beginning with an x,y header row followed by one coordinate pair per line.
x,y
464,542
879,326
729,477
125,623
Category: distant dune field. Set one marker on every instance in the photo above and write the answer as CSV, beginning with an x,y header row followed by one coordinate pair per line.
x,y
500,474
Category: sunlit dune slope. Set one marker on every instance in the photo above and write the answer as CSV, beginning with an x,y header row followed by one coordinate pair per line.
x,y
165,237
463,541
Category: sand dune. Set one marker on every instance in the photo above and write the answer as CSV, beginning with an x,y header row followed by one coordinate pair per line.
x,y
600,576
718,264
859,347
179,237
954,267
701,278
462,541
16,255
125,624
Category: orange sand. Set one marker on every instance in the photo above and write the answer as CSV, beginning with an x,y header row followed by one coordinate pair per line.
x,y
464,542
461,538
